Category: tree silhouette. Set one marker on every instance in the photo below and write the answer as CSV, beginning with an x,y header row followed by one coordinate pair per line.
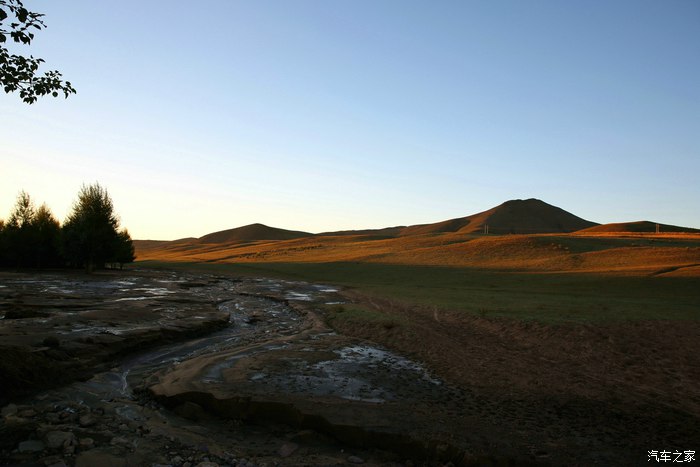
x,y
89,238
90,232
3,244
31,236
19,232
47,233
18,72
124,251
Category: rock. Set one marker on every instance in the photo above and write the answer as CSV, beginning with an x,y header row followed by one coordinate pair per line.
x,y
53,461
287,449
207,464
31,445
102,459
28,413
87,420
86,443
177,460
356,460
57,464
68,417
9,409
119,441
59,439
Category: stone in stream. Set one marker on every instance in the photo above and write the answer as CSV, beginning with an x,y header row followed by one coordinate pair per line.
x,y
86,443
207,464
10,409
27,413
59,439
31,445
87,420
119,441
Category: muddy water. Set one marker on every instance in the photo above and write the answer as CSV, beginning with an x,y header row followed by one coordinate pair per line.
x,y
272,351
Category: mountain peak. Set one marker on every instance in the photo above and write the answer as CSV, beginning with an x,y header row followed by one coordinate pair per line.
x,y
527,216
521,216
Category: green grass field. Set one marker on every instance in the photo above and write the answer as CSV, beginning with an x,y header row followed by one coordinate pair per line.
x,y
549,298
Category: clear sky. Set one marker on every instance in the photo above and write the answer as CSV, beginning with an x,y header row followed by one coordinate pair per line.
x,y
328,114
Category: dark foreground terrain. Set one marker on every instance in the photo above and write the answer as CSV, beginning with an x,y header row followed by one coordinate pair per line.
x,y
182,368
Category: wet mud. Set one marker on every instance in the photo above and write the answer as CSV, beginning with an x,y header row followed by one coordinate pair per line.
x,y
174,369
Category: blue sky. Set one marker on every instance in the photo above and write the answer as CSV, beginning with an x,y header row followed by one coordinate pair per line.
x,y
326,115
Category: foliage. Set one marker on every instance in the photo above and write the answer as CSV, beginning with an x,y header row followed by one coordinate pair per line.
x,y
3,244
90,232
23,213
48,238
18,72
124,250
19,234
33,237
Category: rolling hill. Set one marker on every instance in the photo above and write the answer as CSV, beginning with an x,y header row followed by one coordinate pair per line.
x,y
250,233
636,227
547,239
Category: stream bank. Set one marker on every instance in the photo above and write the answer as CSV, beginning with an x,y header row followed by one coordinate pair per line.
x,y
190,369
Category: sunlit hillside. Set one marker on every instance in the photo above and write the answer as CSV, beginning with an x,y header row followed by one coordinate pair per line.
x,y
577,245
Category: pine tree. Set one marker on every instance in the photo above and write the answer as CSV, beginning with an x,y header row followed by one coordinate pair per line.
x,y
19,233
90,233
47,232
124,251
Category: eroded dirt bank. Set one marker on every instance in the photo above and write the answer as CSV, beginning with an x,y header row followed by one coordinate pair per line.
x,y
257,378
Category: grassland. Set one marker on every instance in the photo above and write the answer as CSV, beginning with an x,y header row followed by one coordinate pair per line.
x,y
596,277
550,334
546,297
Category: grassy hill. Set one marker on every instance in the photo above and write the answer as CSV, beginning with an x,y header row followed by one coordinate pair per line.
x,y
252,232
518,216
524,235
637,227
